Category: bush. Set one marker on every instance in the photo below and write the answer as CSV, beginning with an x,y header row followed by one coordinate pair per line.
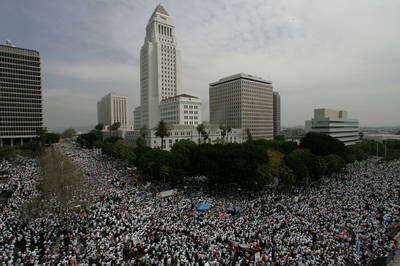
x,y
7,152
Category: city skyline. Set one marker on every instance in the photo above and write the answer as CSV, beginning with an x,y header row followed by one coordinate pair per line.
x,y
337,55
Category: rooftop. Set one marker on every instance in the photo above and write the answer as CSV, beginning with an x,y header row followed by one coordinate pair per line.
x,y
240,76
184,95
7,47
160,9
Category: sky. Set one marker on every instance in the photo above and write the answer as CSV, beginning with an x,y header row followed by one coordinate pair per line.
x,y
319,54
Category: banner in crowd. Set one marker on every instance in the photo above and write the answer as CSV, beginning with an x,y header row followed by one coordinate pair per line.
x,y
166,193
257,257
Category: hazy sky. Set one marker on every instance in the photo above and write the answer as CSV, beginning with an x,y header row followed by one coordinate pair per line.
x,y
337,54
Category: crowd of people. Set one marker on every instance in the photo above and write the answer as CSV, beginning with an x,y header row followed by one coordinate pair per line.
x,y
344,220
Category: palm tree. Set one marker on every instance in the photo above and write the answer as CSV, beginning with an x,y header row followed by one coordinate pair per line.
x,y
223,131
200,129
141,141
162,131
205,135
114,127
144,132
228,130
249,135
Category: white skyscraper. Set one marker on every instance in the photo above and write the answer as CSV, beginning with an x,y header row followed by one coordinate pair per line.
x,y
160,67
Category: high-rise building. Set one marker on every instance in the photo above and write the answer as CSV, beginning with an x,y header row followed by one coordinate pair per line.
x,y
182,109
21,108
112,108
243,101
137,118
160,66
335,124
277,113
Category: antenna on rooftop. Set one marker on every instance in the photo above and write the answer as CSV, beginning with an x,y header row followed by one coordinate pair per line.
x,y
9,43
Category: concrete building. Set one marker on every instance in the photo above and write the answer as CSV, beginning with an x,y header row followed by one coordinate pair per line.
x,y
137,118
182,109
382,137
181,132
160,66
243,101
277,113
334,123
113,108
21,107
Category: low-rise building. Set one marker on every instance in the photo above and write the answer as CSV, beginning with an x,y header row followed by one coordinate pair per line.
x,y
182,109
182,132
335,124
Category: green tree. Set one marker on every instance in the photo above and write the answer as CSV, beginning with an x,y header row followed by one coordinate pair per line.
x,y
41,133
225,130
162,131
68,133
264,175
200,129
229,163
205,135
50,138
322,144
7,152
334,162
296,162
249,135
288,146
124,151
155,164
183,151
280,137
114,127
286,176
219,141
319,169
141,141
99,127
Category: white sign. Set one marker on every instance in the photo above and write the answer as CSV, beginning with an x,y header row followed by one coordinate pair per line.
x,y
166,193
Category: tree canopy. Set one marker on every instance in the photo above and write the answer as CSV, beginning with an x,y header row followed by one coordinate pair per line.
x,y
68,133
322,144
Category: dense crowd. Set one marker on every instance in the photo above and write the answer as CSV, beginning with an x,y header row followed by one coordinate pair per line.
x,y
344,220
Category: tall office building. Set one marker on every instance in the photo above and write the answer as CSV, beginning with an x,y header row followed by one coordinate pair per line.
x,y
21,108
112,108
137,118
243,101
277,113
160,67
335,124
